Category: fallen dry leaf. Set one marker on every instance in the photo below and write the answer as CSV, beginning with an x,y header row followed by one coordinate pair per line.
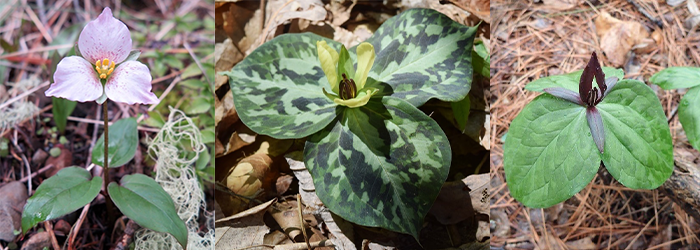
x,y
63,160
618,37
14,195
286,214
242,230
38,241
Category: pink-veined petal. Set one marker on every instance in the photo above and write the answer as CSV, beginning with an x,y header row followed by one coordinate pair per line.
x,y
105,37
131,83
75,80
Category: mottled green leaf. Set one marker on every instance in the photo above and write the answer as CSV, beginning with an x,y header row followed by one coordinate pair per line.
x,y
549,155
569,81
638,148
62,108
422,54
141,199
677,78
380,165
65,192
123,141
277,89
689,116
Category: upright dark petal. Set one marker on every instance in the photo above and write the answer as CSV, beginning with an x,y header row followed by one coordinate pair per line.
x,y
586,82
599,75
595,123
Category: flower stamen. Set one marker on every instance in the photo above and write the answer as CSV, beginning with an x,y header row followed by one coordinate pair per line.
x,y
104,68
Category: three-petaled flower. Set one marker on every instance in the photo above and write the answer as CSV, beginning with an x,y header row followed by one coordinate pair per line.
x,y
103,71
589,96
348,91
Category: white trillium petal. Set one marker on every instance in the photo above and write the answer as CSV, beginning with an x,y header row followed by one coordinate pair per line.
x,y
131,83
105,37
75,79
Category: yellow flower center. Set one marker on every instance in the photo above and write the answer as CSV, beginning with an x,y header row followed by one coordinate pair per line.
x,y
104,68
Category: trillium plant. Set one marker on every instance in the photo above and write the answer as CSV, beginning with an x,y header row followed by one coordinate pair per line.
x,y
688,111
556,144
104,68
376,160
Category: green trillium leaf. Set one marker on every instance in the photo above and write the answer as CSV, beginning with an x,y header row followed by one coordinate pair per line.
x,y
549,155
688,112
123,141
677,78
638,147
278,88
141,199
569,81
422,54
380,165
689,116
70,189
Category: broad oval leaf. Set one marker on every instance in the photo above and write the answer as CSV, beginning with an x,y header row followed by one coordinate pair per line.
x,y
549,155
568,81
677,78
380,165
278,88
689,116
65,192
638,147
422,54
123,141
141,199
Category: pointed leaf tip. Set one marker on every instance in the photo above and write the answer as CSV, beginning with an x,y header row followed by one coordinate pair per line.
x,y
595,123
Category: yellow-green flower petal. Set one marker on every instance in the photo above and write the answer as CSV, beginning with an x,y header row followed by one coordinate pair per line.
x,y
329,60
360,100
365,60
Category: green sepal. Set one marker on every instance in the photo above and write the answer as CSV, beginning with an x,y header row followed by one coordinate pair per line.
x,y
568,81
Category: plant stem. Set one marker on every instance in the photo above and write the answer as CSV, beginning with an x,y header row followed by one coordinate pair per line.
x,y
105,168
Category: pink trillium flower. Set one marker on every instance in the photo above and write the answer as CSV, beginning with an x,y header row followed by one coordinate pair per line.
x,y
104,44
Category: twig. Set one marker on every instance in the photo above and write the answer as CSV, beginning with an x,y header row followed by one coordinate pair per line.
x,y
646,14
97,122
76,228
41,171
40,49
26,93
301,219
165,93
26,163
28,118
127,237
194,57
49,228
